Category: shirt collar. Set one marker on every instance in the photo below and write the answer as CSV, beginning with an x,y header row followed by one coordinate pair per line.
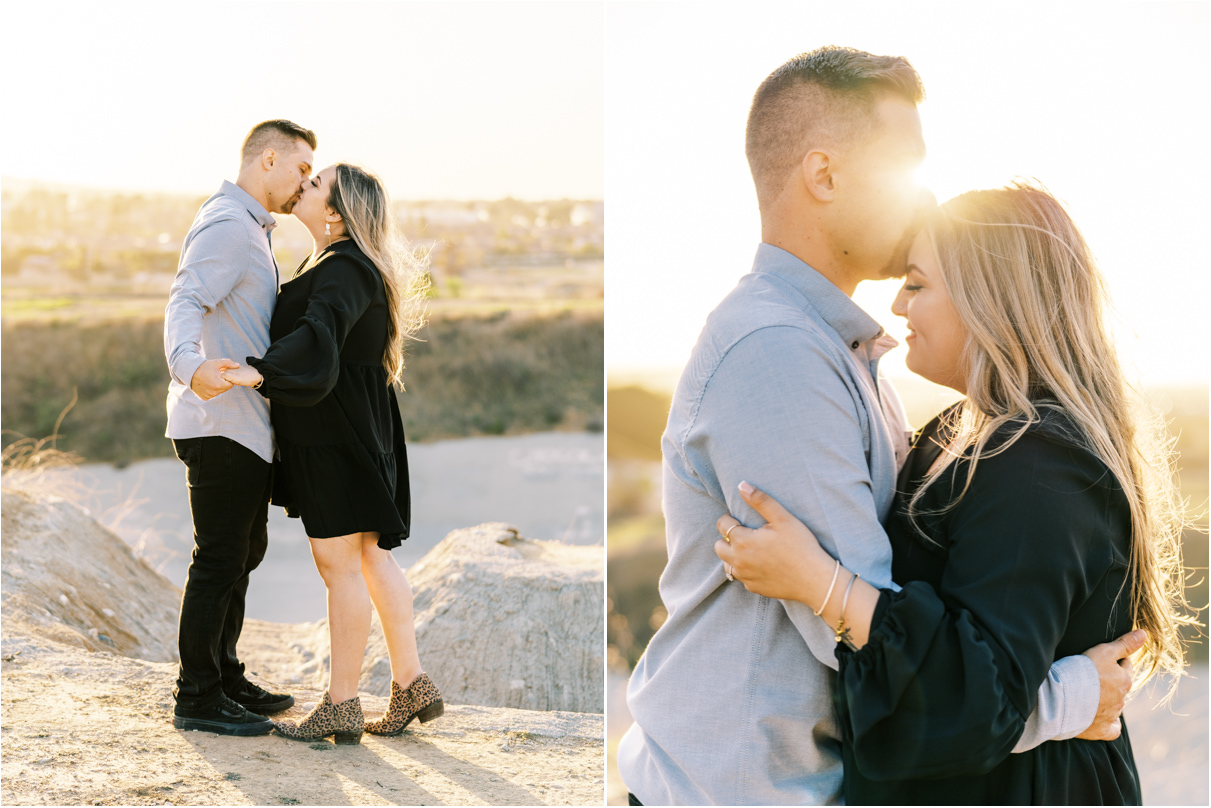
x,y
842,314
263,217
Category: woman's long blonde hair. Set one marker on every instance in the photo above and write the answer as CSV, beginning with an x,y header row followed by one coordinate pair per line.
x,y
1026,286
362,201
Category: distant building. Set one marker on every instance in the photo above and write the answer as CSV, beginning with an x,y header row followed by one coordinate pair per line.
x,y
585,213
445,216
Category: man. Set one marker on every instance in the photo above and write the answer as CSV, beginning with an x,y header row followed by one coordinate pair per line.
x,y
731,699
219,307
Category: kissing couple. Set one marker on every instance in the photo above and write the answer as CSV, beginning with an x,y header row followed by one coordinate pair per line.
x,y
308,419
860,614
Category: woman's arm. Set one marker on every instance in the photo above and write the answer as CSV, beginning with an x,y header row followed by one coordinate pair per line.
x,y
301,368
956,669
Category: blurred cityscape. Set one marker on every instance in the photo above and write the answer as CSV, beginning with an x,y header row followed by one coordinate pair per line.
x,y
79,241
513,344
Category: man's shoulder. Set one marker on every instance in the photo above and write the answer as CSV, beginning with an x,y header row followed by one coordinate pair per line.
x,y
761,311
221,210
760,331
761,300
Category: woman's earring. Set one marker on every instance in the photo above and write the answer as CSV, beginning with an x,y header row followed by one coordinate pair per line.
x,y
328,232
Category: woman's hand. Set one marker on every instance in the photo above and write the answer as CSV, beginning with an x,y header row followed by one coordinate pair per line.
x,y
776,560
243,376
783,560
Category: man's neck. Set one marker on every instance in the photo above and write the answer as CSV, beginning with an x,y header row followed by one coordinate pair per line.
x,y
810,245
250,184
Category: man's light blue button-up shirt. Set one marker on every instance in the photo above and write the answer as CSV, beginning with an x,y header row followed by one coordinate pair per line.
x,y
731,699
219,307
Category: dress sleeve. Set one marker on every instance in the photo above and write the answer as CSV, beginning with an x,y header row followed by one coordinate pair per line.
x,y
948,677
301,368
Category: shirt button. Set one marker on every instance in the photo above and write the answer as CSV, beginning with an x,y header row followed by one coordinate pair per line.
x,y
854,345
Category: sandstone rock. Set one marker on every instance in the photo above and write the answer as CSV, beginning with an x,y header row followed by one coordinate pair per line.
x,y
504,621
67,578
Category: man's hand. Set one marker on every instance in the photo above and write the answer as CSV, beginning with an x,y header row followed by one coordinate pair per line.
x,y
1114,673
208,381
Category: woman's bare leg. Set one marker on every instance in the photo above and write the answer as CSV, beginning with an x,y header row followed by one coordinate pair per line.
x,y
392,598
339,562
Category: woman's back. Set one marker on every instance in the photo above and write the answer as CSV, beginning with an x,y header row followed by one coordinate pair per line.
x,y
1029,566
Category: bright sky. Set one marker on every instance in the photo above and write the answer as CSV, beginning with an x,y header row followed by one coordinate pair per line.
x,y
1105,103
467,100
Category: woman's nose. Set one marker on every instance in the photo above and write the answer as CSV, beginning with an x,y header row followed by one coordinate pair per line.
x,y
899,306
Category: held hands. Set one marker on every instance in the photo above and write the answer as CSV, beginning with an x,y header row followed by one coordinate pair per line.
x,y
772,560
208,380
243,376
1114,672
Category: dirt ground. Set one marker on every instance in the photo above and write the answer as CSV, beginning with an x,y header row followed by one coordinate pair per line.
x,y
87,648
94,728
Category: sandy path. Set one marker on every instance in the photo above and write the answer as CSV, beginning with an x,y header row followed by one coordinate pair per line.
x,y
79,727
547,484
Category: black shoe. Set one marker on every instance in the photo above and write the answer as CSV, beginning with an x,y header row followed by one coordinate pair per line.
x,y
225,717
255,697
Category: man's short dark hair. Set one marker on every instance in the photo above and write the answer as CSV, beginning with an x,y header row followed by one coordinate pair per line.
x,y
279,135
823,98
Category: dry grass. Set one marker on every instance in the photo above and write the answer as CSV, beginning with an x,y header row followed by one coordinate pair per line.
x,y
28,464
505,373
483,374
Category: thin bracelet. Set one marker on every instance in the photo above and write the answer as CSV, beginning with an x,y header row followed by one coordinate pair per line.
x,y
258,384
842,629
836,570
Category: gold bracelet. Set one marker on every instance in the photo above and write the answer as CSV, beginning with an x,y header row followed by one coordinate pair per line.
x,y
258,384
843,630
836,570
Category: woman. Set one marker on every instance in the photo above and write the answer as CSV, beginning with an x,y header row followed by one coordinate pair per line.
x,y
338,331
1033,519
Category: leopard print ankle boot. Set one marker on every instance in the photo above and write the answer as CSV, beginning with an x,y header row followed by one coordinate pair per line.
x,y
344,720
418,700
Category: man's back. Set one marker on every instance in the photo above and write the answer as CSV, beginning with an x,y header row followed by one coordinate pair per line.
x,y
731,699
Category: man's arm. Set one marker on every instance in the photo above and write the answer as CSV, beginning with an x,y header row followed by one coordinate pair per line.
x,y
780,413
1083,696
215,260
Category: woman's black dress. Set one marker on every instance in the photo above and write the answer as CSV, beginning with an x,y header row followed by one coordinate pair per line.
x,y
342,465
1031,566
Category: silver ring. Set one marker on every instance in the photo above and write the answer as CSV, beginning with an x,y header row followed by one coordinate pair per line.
x,y
727,568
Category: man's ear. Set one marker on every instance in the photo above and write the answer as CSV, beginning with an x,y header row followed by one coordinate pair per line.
x,y
268,157
817,169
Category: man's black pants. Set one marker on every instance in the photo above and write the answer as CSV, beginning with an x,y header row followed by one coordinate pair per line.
x,y
229,489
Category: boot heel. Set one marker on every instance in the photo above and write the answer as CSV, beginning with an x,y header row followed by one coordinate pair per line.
x,y
348,737
431,712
